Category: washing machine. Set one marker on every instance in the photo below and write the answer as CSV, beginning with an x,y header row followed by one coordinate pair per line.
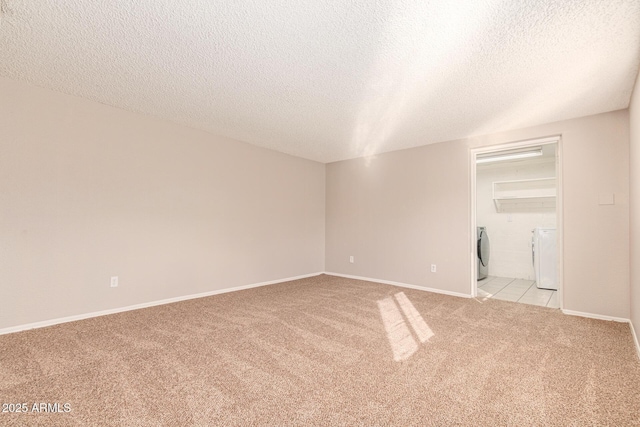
x,y
544,256
484,251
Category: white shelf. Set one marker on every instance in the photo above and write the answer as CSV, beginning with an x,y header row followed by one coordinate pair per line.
x,y
525,194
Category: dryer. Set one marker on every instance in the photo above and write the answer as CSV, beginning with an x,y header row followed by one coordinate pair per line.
x,y
484,251
544,257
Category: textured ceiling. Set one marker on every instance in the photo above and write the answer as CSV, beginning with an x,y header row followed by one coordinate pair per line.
x,y
329,80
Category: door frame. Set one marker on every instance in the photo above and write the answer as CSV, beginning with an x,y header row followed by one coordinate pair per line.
x,y
473,153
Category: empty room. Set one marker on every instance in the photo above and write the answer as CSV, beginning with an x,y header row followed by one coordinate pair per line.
x,y
390,213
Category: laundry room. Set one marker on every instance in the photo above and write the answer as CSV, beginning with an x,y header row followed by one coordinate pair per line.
x,y
516,201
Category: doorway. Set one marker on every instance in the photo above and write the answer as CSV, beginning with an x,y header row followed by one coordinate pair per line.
x,y
516,222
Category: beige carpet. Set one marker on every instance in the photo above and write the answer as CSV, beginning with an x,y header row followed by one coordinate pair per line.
x,y
326,351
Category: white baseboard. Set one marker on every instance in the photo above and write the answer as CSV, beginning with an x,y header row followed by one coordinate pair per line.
x,y
57,321
595,316
404,285
635,338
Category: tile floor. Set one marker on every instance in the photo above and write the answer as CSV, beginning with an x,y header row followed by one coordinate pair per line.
x,y
517,290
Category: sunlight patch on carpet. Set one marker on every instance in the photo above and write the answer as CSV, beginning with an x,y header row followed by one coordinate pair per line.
x,y
422,330
403,344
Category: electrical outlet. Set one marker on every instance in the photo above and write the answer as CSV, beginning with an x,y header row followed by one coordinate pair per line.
x,y
114,281
351,259
433,268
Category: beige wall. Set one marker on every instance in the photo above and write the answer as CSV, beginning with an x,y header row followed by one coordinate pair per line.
x,y
89,191
399,212
634,122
